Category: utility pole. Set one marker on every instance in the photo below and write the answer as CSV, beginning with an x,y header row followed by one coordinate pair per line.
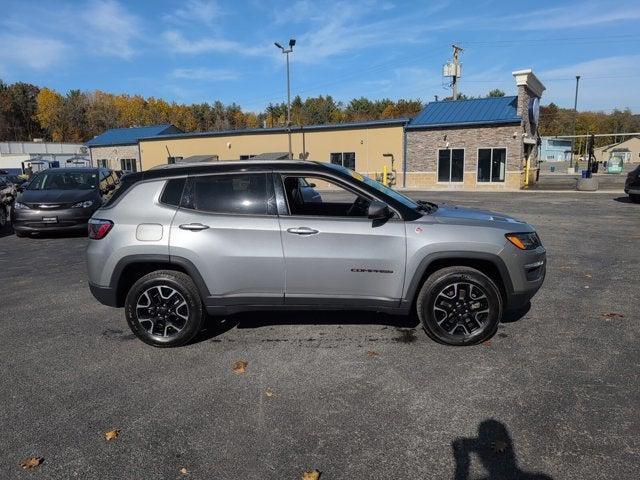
x,y
287,51
575,120
456,72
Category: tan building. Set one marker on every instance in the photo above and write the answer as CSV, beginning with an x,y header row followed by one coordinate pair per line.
x,y
628,151
480,144
366,146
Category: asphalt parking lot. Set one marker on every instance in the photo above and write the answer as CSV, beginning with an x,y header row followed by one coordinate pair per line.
x,y
354,395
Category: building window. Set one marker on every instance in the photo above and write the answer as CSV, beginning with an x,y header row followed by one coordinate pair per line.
x,y
492,163
246,157
103,163
128,165
346,159
451,165
172,160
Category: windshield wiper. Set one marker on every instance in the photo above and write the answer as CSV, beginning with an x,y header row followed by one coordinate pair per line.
x,y
425,206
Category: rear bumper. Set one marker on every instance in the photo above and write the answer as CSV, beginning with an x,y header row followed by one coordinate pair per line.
x,y
105,295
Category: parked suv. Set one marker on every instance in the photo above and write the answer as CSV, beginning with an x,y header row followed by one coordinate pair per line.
x,y
632,185
178,242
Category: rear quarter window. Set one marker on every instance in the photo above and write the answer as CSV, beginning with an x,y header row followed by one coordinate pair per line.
x,y
125,184
172,193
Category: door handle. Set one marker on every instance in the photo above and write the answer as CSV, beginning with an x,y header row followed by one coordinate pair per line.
x,y
302,231
193,227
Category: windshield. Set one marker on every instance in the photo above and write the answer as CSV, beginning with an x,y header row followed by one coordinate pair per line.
x,y
64,181
377,185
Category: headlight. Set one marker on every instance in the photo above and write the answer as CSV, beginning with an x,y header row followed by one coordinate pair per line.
x,y
19,206
85,204
524,241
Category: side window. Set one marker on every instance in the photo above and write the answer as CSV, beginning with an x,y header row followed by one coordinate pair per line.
x,y
249,194
318,196
172,193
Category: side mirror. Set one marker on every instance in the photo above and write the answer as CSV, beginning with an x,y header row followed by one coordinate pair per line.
x,y
378,210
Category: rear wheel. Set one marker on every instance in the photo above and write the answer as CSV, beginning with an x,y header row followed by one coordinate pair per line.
x,y
459,306
164,309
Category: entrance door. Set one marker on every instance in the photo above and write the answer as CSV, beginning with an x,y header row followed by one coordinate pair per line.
x,y
333,252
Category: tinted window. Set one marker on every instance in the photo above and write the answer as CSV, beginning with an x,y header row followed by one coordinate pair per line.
x,y
173,192
241,193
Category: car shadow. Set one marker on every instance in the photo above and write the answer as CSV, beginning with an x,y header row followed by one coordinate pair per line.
x,y
493,447
511,316
215,326
624,199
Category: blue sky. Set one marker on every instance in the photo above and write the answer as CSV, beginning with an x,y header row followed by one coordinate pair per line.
x,y
207,50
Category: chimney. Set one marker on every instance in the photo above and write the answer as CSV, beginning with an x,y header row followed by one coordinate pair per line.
x,y
527,79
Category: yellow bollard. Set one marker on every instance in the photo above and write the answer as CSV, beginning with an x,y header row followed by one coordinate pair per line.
x,y
384,176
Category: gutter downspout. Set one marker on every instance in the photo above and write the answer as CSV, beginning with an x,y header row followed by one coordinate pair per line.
x,y
404,156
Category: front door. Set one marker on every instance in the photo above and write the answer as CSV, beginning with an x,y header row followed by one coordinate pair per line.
x,y
228,228
334,254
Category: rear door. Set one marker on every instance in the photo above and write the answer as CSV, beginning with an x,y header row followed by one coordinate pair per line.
x,y
227,227
333,252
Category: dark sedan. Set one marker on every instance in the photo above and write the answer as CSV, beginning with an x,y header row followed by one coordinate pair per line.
x,y
61,199
632,185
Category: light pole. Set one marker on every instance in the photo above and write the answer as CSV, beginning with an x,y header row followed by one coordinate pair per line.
x,y
575,119
287,51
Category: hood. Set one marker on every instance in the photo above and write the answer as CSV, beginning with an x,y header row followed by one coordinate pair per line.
x,y
452,213
57,196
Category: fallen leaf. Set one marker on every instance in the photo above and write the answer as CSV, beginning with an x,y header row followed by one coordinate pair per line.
x,y
612,315
311,475
499,446
240,366
112,434
184,471
31,462
269,393
371,353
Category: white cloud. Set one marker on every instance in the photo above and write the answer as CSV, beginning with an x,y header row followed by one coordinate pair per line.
x,y
204,74
178,43
194,11
110,28
31,51
576,16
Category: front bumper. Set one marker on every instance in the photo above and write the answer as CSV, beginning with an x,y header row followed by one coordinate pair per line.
x,y
527,270
35,220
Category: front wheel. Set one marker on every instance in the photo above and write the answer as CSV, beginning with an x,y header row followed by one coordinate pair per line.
x,y
164,309
634,198
459,306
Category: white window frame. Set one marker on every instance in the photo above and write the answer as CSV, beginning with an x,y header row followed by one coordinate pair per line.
x,y
464,160
506,164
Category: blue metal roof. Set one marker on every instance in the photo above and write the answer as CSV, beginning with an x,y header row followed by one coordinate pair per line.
x,y
294,129
490,110
130,136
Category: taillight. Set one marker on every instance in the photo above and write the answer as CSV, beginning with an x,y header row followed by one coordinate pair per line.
x,y
98,229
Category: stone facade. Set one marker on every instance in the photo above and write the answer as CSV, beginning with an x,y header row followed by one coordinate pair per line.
x,y
113,154
423,147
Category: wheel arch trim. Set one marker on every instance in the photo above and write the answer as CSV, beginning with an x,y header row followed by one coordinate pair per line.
x,y
429,260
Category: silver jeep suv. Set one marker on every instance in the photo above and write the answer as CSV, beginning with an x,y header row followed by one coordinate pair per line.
x,y
178,242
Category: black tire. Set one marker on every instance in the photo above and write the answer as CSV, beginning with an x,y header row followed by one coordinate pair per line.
x,y
21,234
451,320
165,323
634,198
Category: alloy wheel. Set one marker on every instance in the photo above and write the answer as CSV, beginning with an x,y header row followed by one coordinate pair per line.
x,y
461,309
162,311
